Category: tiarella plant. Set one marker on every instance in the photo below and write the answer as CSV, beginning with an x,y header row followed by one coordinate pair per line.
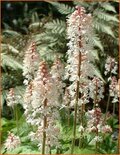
x,y
111,67
30,62
12,142
80,68
11,98
42,102
76,88
12,101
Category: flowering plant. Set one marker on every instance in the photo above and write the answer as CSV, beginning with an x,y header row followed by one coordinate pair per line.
x,y
62,102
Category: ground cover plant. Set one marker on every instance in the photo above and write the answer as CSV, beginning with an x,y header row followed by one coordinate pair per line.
x,y
60,82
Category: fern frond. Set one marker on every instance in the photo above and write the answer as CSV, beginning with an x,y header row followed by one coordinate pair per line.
x,y
35,17
56,26
11,33
35,26
8,48
48,53
82,3
96,42
102,15
10,61
108,7
62,8
95,54
97,72
103,28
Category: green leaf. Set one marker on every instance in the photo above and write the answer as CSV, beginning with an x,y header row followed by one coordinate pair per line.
x,y
97,72
106,16
10,61
11,33
108,7
95,54
34,26
97,42
82,3
77,150
4,121
9,48
62,8
35,17
100,26
56,26
108,30
17,150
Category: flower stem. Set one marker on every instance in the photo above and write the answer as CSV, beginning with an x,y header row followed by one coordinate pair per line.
x,y
44,128
81,140
68,114
95,106
76,105
107,107
16,118
114,106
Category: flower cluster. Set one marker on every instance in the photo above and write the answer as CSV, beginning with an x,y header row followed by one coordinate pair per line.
x,y
111,66
12,142
78,31
52,135
42,101
79,66
118,87
12,99
96,139
57,71
96,89
30,62
112,89
66,98
95,122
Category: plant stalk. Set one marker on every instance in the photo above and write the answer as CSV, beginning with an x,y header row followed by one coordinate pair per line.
x,y
16,118
44,128
114,106
107,107
68,114
95,104
76,105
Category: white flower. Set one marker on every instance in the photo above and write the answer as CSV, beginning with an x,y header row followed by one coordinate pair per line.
x,y
106,129
42,99
96,139
79,32
112,86
57,71
66,98
30,63
112,89
111,66
96,89
12,99
12,142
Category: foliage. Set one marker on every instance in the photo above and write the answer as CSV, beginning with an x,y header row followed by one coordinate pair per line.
x,y
48,30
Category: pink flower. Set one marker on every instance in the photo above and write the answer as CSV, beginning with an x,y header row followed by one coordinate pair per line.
x,y
106,129
12,142
45,87
30,63
79,32
12,99
111,66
